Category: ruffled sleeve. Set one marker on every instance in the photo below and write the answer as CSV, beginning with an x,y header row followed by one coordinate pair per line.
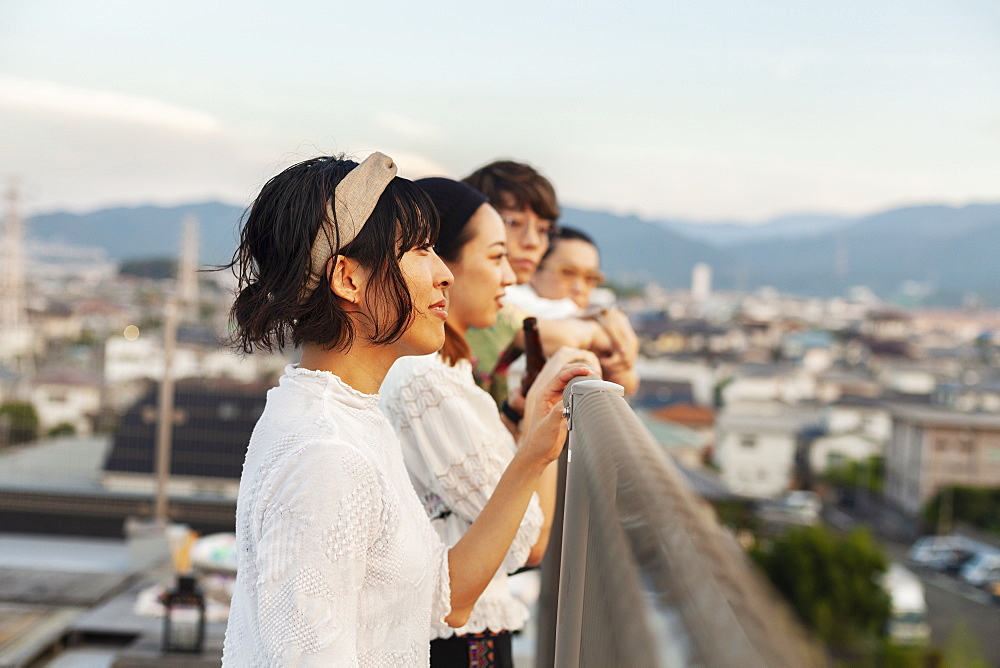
x,y
311,555
455,445
441,602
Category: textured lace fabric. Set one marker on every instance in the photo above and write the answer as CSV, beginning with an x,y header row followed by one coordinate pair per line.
x,y
456,448
338,564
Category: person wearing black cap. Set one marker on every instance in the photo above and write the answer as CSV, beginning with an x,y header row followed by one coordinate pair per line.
x,y
454,443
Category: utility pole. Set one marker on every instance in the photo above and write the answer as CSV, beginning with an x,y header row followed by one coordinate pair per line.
x,y
16,340
176,307
187,272
165,414
945,510
12,279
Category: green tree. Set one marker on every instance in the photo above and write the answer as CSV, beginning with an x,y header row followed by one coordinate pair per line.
x,y
625,291
831,582
867,473
973,505
18,422
718,390
62,429
151,267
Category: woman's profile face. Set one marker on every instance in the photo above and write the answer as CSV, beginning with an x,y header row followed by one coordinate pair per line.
x,y
427,277
482,272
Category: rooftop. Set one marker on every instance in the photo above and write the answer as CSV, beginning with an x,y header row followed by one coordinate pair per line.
x,y
935,415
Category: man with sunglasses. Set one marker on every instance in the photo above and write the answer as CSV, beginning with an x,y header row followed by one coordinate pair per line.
x,y
570,269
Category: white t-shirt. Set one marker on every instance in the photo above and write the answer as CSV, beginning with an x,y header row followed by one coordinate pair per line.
x,y
337,562
456,449
524,297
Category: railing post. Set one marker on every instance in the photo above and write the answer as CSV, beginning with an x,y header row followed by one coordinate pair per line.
x,y
575,533
548,595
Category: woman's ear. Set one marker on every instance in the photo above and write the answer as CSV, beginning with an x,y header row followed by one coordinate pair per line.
x,y
347,278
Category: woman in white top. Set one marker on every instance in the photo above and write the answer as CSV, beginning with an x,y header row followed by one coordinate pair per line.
x,y
338,564
455,445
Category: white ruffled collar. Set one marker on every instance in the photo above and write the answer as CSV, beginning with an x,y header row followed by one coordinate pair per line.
x,y
329,383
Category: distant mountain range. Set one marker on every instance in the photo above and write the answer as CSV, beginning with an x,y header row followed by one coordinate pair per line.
x,y
937,254
931,254
144,231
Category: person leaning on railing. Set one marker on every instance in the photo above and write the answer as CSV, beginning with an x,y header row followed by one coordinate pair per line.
x,y
454,443
527,204
337,563
562,287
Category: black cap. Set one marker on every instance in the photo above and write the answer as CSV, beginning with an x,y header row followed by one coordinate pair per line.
x,y
455,202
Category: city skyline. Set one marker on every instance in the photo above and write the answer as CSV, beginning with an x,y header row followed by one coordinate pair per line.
x,y
712,112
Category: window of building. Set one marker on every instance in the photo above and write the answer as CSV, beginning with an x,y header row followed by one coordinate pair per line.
x,y
748,440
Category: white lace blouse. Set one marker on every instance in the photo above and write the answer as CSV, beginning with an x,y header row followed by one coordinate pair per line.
x,y
337,562
456,448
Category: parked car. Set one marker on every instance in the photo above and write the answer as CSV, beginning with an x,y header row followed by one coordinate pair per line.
x,y
800,507
907,623
937,552
976,571
991,583
951,561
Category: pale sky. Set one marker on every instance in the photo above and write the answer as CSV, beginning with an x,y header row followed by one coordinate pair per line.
x,y
720,109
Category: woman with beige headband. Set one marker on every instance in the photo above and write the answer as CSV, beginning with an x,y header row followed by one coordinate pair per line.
x,y
337,561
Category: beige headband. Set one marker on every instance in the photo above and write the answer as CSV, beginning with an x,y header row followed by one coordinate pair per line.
x,y
354,199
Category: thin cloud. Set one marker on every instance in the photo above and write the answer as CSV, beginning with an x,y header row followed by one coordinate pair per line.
x,y
75,102
405,127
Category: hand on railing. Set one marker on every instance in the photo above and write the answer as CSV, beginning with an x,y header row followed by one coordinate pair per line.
x,y
543,426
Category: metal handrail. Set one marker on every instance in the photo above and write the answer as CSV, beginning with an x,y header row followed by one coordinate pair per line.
x,y
646,575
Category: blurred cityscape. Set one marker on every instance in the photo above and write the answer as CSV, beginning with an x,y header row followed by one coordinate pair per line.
x,y
784,411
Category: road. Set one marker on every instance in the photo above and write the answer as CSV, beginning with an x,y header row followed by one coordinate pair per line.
x,y
950,601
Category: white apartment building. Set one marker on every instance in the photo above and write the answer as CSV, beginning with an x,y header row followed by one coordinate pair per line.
x,y
755,446
66,398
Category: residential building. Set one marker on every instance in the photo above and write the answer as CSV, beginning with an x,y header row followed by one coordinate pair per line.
x,y
786,383
982,396
699,376
756,446
932,447
68,397
834,384
213,421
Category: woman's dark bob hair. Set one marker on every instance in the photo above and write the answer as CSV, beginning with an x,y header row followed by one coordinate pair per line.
x,y
271,263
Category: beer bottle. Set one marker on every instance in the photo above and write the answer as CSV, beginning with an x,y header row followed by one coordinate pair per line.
x,y
534,357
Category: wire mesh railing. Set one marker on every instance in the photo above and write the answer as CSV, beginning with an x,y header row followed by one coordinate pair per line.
x,y
646,575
